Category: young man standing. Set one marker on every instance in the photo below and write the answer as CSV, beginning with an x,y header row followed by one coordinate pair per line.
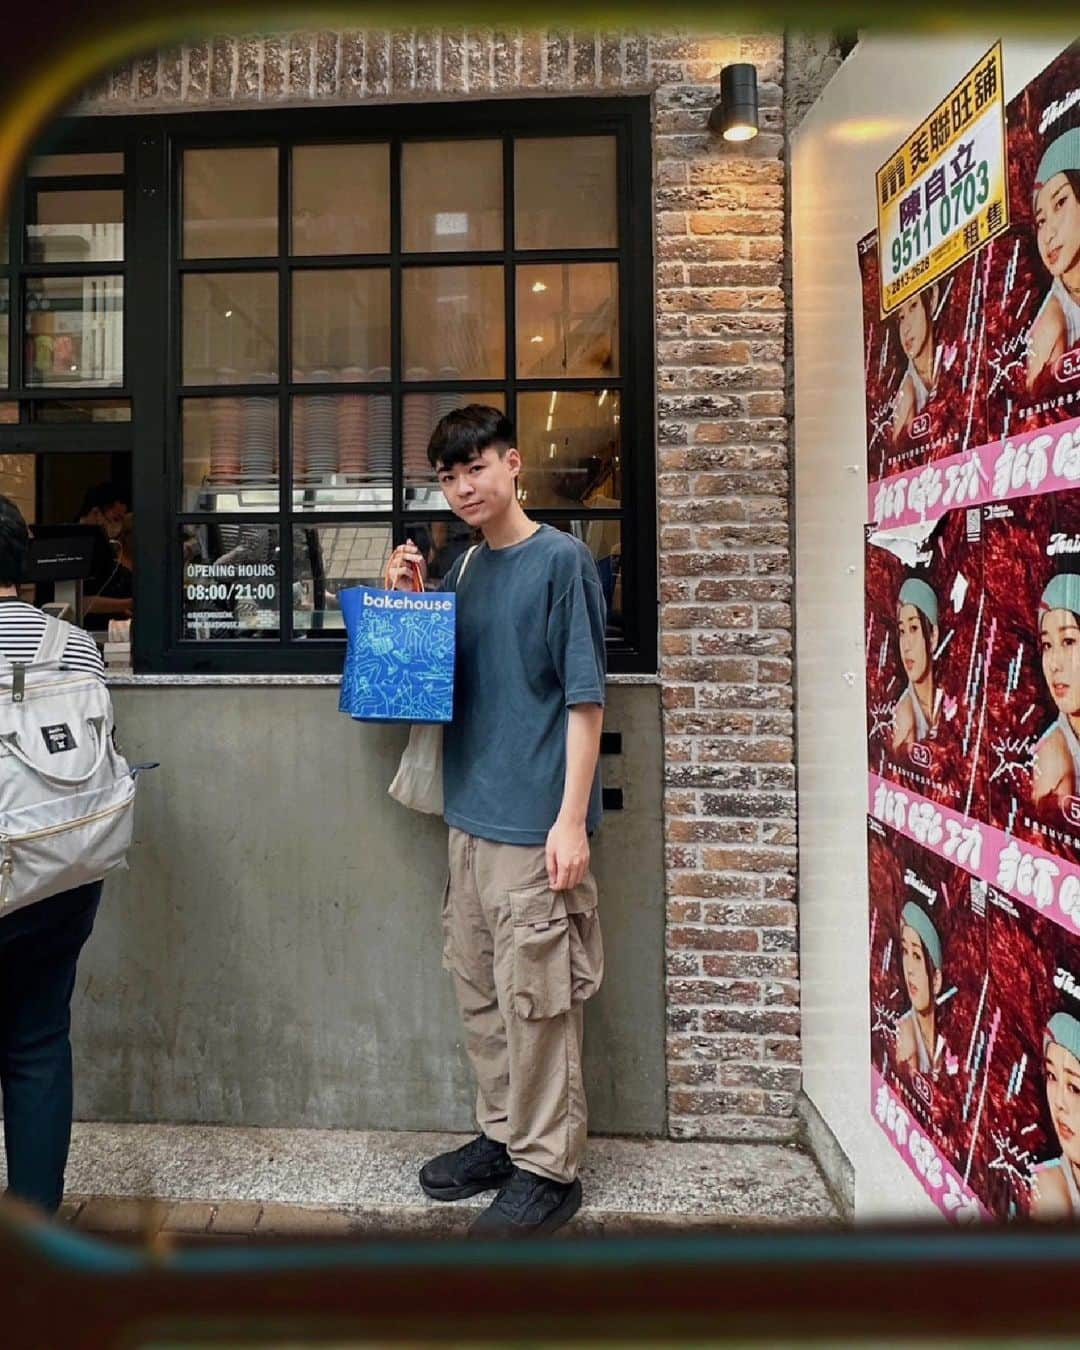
x,y
522,795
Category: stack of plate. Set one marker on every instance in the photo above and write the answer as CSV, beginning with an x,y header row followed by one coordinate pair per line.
x,y
259,458
352,421
322,431
417,421
299,439
380,429
226,436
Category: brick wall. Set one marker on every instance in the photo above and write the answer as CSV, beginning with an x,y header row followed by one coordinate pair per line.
x,y
725,564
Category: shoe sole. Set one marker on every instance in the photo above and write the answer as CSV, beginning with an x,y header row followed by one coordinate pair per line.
x,y
461,1192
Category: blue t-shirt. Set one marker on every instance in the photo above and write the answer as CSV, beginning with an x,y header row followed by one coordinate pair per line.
x,y
530,645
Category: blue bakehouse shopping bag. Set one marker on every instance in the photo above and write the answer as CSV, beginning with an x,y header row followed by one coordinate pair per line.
x,y
399,666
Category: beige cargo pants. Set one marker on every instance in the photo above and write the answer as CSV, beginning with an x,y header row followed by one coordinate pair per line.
x,y
524,958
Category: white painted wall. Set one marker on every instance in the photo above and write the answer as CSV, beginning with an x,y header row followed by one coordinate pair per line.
x,y
882,92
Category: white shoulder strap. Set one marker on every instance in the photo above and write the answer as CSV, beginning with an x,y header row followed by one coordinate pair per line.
x,y
465,562
53,642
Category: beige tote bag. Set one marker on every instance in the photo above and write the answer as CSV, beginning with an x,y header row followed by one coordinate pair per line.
x,y
418,783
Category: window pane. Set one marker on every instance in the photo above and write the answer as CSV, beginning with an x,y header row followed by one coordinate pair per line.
x,y
340,199
420,413
230,448
5,328
86,410
72,166
9,414
230,203
441,542
454,325
74,330
341,325
230,324
604,540
342,452
76,227
567,319
327,559
564,192
452,195
229,587
17,482
569,443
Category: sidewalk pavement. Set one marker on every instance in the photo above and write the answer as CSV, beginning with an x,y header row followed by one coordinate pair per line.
x,y
219,1183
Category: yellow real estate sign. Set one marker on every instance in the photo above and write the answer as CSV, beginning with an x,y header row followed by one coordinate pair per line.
x,y
945,192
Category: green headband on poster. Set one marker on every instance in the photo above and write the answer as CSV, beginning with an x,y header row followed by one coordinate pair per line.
x,y
918,593
1063,1029
1062,592
1061,156
917,918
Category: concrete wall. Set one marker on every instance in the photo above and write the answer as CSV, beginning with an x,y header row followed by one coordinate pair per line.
x,y
272,957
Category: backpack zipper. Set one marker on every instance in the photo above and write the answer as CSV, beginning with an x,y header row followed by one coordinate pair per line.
x,y
7,842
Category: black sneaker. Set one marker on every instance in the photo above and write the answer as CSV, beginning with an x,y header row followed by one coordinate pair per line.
x,y
528,1206
482,1164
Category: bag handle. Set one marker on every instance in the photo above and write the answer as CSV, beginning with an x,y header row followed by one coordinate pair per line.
x,y
12,743
418,576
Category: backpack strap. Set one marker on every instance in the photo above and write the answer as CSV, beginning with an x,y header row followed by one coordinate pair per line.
x,y
53,642
465,562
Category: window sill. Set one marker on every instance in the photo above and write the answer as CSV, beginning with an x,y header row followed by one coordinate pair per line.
x,y
126,679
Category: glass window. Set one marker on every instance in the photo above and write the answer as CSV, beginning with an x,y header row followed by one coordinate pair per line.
x,y
567,319
569,443
230,203
76,226
75,330
340,199
420,413
230,452
82,410
229,574
9,414
452,195
454,323
326,560
341,325
396,312
342,451
77,166
230,328
564,192
17,482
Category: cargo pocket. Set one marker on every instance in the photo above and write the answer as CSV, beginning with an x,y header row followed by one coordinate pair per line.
x,y
447,931
556,948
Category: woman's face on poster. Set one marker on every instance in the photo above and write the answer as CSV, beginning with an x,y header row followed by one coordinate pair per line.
x,y
1059,639
1057,225
913,649
1063,1097
914,327
917,977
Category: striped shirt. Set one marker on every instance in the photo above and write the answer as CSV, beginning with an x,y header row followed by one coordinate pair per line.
x,y
21,630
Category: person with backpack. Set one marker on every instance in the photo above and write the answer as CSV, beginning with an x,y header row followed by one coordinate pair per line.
x,y
40,942
522,796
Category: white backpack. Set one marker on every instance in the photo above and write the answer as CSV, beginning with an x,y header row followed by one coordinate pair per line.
x,y
66,794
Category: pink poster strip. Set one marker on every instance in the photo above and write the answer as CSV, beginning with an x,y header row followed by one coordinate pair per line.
x,y
1047,460
1023,871
937,1176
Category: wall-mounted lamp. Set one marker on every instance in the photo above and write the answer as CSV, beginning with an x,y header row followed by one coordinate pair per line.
x,y
735,115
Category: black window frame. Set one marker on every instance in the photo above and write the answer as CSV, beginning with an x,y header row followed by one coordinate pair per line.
x,y
153,267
